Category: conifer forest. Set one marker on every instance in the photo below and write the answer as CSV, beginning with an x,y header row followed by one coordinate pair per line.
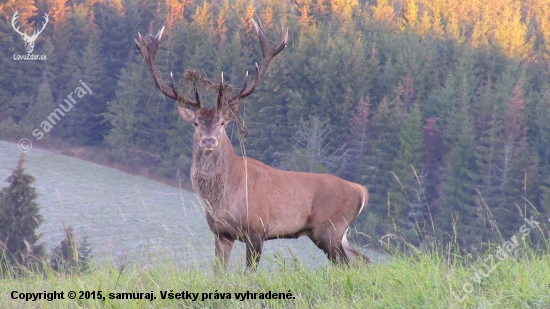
x,y
441,108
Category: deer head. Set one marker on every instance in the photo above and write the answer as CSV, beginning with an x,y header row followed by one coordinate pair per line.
x,y
29,40
210,122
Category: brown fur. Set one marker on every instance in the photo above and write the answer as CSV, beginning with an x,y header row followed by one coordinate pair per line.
x,y
249,201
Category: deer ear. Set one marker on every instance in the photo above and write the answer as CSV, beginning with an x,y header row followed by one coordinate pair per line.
x,y
186,114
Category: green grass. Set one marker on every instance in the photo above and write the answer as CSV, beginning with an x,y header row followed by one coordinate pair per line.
x,y
422,281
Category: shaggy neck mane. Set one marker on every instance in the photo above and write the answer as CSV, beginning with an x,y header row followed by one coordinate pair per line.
x,y
211,174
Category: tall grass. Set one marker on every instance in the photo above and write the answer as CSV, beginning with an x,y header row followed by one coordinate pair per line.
x,y
433,277
424,280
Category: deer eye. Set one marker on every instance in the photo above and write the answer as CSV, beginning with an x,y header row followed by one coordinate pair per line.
x,y
222,123
196,124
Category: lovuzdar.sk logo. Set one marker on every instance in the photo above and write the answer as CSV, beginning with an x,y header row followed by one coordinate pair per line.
x,y
29,40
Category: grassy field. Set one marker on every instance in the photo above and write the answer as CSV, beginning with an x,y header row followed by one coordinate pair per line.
x,y
422,281
505,277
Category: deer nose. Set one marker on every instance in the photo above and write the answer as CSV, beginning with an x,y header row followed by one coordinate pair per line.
x,y
209,142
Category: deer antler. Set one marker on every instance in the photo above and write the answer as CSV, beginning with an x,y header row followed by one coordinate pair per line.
x,y
148,51
14,17
34,33
268,52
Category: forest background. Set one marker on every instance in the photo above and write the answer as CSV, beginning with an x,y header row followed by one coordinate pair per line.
x,y
440,107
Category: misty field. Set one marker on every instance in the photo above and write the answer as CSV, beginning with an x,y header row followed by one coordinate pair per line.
x,y
129,218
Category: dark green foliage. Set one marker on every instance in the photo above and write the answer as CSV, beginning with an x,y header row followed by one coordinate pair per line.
x,y
70,257
478,142
42,106
459,207
311,152
386,123
19,221
408,199
360,126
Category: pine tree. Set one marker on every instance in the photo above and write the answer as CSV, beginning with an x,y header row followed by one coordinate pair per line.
x,y
545,198
121,113
311,153
12,127
89,109
541,131
517,169
139,125
488,153
434,151
117,28
68,256
275,109
459,194
60,18
386,123
359,138
406,198
38,111
19,221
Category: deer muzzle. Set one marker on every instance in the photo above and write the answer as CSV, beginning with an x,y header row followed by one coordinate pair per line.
x,y
209,143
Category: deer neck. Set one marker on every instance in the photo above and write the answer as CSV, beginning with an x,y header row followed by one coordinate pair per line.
x,y
212,172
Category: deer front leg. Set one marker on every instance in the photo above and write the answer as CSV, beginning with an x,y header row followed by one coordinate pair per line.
x,y
224,245
254,246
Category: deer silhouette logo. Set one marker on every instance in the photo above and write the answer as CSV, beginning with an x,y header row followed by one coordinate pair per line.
x,y
29,40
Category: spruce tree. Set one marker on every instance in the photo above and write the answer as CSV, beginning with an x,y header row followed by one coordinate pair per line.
x,y
459,208
270,119
69,256
386,124
488,153
90,108
518,170
407,200
359,140
545,198
40,109
19,221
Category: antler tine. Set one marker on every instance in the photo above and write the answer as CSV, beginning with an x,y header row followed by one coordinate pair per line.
x,y
220,95
231,106
13,19
148,50
34,33
198,97
246,80
173,85
268,53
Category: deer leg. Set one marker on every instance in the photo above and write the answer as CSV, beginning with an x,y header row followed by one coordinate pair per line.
x,y
224,245
331,245
253,251
352,253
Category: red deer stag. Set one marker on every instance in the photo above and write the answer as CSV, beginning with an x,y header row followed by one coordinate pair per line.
x,y
247,200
